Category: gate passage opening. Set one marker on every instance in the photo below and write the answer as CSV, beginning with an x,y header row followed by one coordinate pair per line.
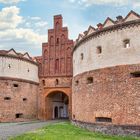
x,y
59,105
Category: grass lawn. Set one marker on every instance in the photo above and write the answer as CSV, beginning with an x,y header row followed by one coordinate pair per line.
x,y
66,131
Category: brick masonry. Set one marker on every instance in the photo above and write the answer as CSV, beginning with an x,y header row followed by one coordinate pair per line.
x,y
18,99
57,52
55,67
110,129
113,94
50,87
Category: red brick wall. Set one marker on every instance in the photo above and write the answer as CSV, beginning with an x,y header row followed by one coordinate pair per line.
x,y
56,65
16,104
57,53
114,94
64,86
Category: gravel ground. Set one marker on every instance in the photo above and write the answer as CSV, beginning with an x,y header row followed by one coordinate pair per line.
x,y
13,129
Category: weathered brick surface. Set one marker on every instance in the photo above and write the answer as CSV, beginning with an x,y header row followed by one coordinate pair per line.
x,y
56,69
56,53
110,129
50,87
8,108
114,93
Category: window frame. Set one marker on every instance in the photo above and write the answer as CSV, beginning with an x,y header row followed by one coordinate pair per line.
x,y
126,43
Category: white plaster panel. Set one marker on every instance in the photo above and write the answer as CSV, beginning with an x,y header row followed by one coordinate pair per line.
x,y
108,23
131,17
113,51
19,69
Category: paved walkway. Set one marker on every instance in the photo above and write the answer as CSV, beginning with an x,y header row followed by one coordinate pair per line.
x,y
12,129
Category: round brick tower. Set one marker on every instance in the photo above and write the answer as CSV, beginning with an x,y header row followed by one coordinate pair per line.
x,y
106,69
18,86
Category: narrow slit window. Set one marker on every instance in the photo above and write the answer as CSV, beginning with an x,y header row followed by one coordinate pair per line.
x,y
19,115
9,66
56,82
126,43
15,85
99,50
43,82
24,99
82,56
135,74
57,41
7,98
103,119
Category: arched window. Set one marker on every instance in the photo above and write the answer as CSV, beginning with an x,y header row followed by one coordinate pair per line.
x,y
82,56
43,82
126,43
63,39
68,52
57,41
57,65
99,50
69,67
57,25
56,82
62,65
45,53
51,40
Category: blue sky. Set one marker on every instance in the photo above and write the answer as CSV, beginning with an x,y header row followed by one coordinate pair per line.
x,y
24,23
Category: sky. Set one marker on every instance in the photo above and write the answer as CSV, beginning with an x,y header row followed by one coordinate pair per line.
x,y
24,23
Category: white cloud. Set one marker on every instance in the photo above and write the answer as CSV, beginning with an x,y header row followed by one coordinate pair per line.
x,y
136,4
14,32
27,35
35,18
36,22
10,1
9,17
41,24
133,3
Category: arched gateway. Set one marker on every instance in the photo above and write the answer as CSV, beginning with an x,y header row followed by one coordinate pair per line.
x,y
55,72
57,105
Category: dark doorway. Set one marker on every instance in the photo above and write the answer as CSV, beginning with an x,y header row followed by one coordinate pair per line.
x,y
56,112
57,105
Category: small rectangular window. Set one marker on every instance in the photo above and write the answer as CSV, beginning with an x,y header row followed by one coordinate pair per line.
x,y
7,98
82,56
99,50
73,116
56,82
89,80
9,66
126,43
24,99
19,115
15,85
43,82
135,74
103,119
76,82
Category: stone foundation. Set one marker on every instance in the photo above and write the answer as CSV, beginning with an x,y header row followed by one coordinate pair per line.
x,y
133,130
